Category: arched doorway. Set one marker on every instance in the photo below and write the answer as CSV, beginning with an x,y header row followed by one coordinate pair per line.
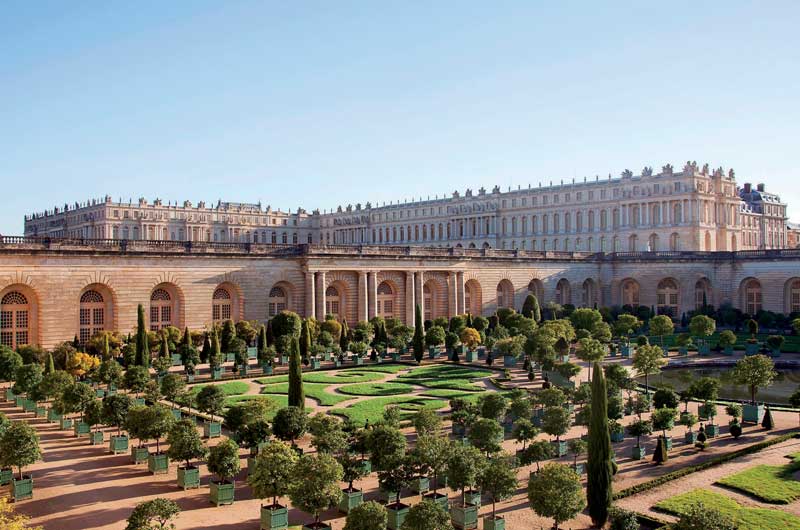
x,y
667,297
221,305
386,300
91,315
630,292
589,293
278,300
751,296
505,294
536,287
473,297
16,322
702,293
333,302
162,308
563,292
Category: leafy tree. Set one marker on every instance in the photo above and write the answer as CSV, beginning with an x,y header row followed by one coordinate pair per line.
x,y
427,421
247,412
75,398
427,515
27,377
648,361
531,308
486,434
463,467
172,387
470,337
754,371
727,338
9,362
142,343
274,472
386,445
556,492
327,434
599,488
370,515
223,460
493,405
556,422
435,336
665,397
626,325
253,433
640,428
289,424
418,340
316,484
155,514
697,516
185,443
702,326
93,413
664,419
286,323
19,446
135,379
524,431
296,394
623,519
115,410
537,451
432,453
591,350
660,326
498,479
211,400
585,318
157,423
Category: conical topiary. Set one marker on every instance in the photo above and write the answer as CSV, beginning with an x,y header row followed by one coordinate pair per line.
x,y
701,442
661,455
767,422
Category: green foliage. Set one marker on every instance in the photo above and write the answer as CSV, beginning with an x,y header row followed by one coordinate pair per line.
x,y
727,338
647,361
155,514
75,398
315,487
661,325
274,471
432,454
767,423
531,308
223,460
427,515
173,386
327,434
427,421
599,488
622,519
370,515
135,379
755,371
286,323
241,414
290,423
498,479
19,446
661,455
702,326
142,342
665,397
296,395
185,443
93,413
9,362
556,421
386,445
27,377
664,419
463,467
486,434
703,509
115,410
493,405
556,492
211,400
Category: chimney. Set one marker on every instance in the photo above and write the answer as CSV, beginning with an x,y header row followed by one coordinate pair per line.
x,y
760,186
748,187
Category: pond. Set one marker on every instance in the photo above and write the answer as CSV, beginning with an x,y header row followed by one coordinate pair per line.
x,y
679,378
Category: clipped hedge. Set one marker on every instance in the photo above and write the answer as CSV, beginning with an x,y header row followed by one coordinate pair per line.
x,y
663,479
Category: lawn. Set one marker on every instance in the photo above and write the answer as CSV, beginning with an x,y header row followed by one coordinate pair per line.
x,y
746,518
278,401
446,393
329,377
792,344
377,389
383,368
231,388
312,390
372,409
446,371
773,484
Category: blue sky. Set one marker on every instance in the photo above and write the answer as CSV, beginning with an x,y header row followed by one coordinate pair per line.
x,y
317,104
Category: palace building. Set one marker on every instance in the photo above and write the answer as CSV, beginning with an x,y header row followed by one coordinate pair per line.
x,y
695,209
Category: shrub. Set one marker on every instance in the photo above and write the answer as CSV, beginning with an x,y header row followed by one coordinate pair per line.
x,y
427,515
154,514
622,519
370,515
19,446
556,492
223,460
289,424
185,443
274,472
700,517
316,484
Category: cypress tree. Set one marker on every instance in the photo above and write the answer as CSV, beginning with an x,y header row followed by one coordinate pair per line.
x,y
228,334
270,335
599,470
344,337
187,337
469,320
142,345
215,354
164,352
419,340
296,394
262,339
661,455
76,343
206,351
106,353
305,340
50,364
767,422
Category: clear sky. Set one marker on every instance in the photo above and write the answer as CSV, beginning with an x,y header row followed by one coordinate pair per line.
x,y
317,104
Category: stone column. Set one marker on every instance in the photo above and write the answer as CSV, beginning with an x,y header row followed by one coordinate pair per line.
x,y
320,296
461,295
372,298
310,292
419,292
362,295
452,294
410,298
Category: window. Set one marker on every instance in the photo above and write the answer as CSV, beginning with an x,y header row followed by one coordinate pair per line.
x,y
794,296
702,294
160,309
563,292
91,315
221,305
277,301
332,301
752,297
427,297
14,321
667,297
630,293
385,300
505,294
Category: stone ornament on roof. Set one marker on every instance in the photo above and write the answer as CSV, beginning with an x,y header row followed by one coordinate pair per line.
x,y
625,174
667,170
647,171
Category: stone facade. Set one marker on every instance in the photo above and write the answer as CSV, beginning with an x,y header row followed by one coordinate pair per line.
x,y
694,209
52,290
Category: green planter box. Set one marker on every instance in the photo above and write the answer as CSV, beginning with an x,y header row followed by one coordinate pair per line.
x,y
212,429
668,441
284,359
704,349
464,517
494,523
29,405
176,359
358,360
190,378
65,424
19,400
242,369
509,361
473,497
350,499
703,411
99,393
22,489
96,438
683,352
559,448
230,357
728,351
158,463
266,369
8,394
5,476
386,496
221,492
469,356
421,485
139,402
397,514
118,444
252,352
690,438
637,452
617,436
751,349
41,412
439,498
274,517
395,357
188,477
315,364
176,413
712,430
216,374
752,413
80,428
366,466
139,455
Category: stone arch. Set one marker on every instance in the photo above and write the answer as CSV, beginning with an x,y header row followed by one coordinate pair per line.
x,y
226,302
387,299
280,298
336,300
96,311
703,292
19,315
750,295
166,306
473,297
668,297
505,294
536,286
629,292
791,295
563,294
590,293
434,294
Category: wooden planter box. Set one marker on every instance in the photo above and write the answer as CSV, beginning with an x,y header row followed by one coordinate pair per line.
x,y
397,513
216,374
6,475
96,438
752,413
19,400
41,412
464,517
221,492
139,455
65,424
315,364
275,517
626,350
617,436
80,428
176,413
22,489
29,405
438,498
188,477
139,402
494,523
366,466
473,497
266,369
386,496
668,442
637,452
559,448
703,410
176,359
284,359
728,351
350,499
690,438
712,430
509,361
395,357
99,393
190,378
158,463
252,352
469,356
212,429
8,394
230,357
421,485
751,348
118,444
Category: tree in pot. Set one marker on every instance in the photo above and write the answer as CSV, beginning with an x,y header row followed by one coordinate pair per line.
x,y
689,420
211,401
660,326
556,492
400,471
577,447
159,421
110,373
524,432
663,420
115,412
648,360
352,469
639,428
247,412
432,454
727,339
173,387
93,416
186,445
136,379
272,476
368,516
556,422
463,467
316,486
498,480
19,447
137,424
702,326
755,372
536,452
74,400
155,514
486,434
426,515
386,445
289,424
223,461
427,421
27,378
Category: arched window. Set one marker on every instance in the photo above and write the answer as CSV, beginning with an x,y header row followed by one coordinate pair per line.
x,y
427,297
160,309
752,297
563,292
630,293
652,243
221,305
277,301
667,297
332,301
794,296
14,320
386,299
472,297
702,293
674,241
632,242
589,294
677,214
505,294
92,315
